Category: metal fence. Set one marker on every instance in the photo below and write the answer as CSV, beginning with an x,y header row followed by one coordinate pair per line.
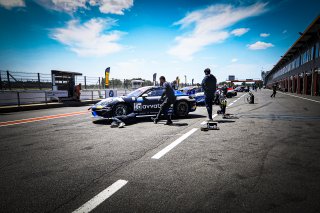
x,y
23,80
10,80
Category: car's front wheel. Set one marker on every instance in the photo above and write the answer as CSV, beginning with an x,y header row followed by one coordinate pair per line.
x,y
120,110
181,109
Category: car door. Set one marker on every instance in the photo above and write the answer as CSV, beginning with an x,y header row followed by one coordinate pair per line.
x,y
151,104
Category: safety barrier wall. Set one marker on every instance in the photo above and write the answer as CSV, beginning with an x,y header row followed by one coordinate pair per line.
x,y
8,98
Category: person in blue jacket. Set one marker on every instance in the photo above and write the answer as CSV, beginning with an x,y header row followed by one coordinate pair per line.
x,y
209,85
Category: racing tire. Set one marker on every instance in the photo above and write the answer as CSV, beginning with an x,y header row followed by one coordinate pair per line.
x,y
181,109
121,109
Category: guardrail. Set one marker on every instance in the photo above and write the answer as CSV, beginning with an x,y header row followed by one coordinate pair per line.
x,y
9,98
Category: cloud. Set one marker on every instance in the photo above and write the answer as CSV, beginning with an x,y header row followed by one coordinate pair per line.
x,y
284,31
105,6
113,6
240,31
208,26
264,34
9,4
89,38
68,5
234,60
259,45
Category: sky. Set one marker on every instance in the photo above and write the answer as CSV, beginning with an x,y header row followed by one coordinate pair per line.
x,y
138,38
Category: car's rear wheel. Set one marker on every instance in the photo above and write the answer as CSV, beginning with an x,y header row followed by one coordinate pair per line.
x,y
120,110
181,109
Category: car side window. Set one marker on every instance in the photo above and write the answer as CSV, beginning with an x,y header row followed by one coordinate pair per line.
x,y
155,92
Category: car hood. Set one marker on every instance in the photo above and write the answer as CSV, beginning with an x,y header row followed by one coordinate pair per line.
x,y
108,101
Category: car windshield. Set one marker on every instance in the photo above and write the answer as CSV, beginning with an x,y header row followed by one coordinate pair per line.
x,y
137,92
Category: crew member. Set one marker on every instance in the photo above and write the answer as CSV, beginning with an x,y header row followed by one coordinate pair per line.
x,y
209,84
169,98
77,92
274,91
121,120
224,90
174,85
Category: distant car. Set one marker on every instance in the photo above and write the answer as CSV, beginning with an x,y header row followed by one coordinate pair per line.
x,y
231,93
198,94
143,101
239,89
191,90
195,92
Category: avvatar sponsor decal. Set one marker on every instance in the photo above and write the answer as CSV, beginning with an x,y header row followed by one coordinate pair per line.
x,y
153,106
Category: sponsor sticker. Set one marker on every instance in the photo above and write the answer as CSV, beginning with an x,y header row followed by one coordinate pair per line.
x,y
152,106
137,107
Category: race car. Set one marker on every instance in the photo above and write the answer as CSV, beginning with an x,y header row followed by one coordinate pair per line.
x,y
231,92
200,97
143,101
195,92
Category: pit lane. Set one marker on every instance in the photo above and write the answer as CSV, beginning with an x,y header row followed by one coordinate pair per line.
x,y
57,165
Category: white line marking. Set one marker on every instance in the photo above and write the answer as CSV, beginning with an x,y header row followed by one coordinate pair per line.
x,y
173,144
102,196
299,97
204,122
231,104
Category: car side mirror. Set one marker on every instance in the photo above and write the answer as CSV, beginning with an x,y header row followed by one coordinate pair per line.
x,y
144,95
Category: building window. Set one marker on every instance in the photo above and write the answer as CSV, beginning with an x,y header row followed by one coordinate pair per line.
x,y
317,51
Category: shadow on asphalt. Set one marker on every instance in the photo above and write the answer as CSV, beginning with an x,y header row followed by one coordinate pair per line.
x,y
224,121
192,116
179,124
148,119
3,113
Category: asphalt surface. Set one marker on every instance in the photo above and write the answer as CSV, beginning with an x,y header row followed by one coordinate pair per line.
x,y
268,160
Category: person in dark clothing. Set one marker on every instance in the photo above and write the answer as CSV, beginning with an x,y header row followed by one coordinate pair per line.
x,y
209,84
169,98
274,89
121,120
224,89
217,98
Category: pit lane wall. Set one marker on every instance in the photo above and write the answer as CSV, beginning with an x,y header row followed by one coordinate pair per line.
x,y
20,97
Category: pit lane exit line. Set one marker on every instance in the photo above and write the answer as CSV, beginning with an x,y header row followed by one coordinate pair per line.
x,y
173,144
235,101
43,118
102,196
299,97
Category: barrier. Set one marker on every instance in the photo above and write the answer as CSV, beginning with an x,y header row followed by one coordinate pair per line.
x,y
21,97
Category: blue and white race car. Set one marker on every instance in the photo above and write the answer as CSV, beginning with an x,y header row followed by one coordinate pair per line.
x,y
143,101
195,92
